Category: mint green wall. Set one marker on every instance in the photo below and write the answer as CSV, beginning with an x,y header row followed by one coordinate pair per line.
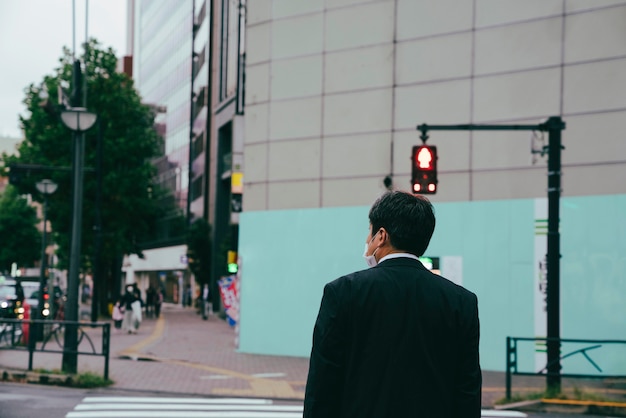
x,y
287,257
496,240
593,277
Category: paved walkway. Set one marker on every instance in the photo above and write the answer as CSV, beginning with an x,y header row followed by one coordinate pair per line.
x,y
181,353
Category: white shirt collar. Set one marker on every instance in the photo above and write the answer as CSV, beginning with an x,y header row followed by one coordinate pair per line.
x,y
398,255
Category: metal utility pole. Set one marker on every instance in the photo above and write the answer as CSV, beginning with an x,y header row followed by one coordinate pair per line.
x,y
78,120
554,125
45,187
70,359
97,264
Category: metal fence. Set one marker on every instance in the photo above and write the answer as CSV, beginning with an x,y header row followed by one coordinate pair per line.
x,y
48,336
512,359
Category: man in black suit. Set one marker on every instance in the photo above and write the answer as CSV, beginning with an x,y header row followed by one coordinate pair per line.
x,y
395,340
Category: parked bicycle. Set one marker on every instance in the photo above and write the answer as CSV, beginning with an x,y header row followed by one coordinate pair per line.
x,y
11,334
57,332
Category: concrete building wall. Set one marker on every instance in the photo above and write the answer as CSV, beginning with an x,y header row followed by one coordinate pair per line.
x,y
334,92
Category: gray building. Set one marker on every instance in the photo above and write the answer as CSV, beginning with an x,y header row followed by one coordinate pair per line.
x,y
160,36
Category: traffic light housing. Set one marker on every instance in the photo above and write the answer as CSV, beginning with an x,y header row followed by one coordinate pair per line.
x,y
424,169
233,267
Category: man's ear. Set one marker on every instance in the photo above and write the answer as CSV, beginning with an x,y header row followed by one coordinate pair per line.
x,y
384,237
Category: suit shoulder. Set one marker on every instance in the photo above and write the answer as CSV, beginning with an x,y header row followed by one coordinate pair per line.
x,y
347,279
458,289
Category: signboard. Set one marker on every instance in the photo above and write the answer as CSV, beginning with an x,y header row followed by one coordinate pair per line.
x,y
236,183
235,203
541,282
229,291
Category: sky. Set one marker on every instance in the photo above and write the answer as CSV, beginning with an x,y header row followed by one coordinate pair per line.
x,y
32,36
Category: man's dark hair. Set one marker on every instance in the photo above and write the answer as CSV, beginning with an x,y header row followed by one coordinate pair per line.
x,y
408,219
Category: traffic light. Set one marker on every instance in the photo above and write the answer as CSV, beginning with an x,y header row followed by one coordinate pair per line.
x,y
233,267
424,170
15,175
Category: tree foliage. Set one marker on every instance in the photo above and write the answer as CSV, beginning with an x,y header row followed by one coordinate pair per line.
x,y
20,241
131,200
199,250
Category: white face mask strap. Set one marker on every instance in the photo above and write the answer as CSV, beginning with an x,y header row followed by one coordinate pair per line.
x,y
374,236
370,259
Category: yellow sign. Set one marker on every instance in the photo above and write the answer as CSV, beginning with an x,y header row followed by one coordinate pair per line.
x,y
236,183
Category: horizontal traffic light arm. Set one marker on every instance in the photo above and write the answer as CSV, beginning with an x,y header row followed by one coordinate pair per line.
x,y
553,123
24,168
35,167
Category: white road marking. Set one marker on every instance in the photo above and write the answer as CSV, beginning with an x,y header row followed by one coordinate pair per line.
x,y
158,407
489,413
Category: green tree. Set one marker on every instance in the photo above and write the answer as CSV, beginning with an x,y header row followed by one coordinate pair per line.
x,y
199,250
199,254
131,200
20,240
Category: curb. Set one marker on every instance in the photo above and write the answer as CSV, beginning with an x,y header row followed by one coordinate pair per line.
x,y
616,409
21,376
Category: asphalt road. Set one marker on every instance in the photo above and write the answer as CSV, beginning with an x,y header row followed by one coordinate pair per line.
x,y
34,401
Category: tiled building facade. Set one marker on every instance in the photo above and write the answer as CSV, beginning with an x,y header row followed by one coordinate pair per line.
x,y
336,88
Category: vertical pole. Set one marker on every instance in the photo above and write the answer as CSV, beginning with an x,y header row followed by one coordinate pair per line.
x,y
38,328
32,341
97,264
70,357
106,348
508,367
70,360
553,380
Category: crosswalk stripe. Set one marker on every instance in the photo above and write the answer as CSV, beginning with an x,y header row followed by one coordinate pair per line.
x,y
139,399
158,407
490,413
146,407
185,407
184,414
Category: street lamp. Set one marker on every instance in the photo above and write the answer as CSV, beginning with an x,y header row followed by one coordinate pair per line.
x,y
78,120
45,187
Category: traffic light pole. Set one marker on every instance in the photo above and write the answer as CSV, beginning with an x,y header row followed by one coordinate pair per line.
x,y
554,125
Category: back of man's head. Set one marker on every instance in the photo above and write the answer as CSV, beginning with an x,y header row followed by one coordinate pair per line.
x,y
408,219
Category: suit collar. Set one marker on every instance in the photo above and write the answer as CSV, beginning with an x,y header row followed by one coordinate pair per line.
x,y
398,255
401,261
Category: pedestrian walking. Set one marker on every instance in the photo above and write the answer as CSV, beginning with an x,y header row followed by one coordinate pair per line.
x,y
395,340
129,299
117,315
187,296
158,301
206,295
150,301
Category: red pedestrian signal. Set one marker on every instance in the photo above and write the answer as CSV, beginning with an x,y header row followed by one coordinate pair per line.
x,y
424,170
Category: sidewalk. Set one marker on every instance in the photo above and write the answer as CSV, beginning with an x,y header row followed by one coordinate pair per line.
x,y
181,353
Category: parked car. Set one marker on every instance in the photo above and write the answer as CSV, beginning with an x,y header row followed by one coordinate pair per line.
x,y
31,293
11,298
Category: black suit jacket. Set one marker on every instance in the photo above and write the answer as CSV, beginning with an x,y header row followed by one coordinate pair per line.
x,y
395,341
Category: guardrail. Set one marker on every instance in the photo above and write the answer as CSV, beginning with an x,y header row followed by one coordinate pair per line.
x,y
47,336
512,363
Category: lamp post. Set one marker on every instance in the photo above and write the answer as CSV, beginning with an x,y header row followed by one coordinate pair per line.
x,y
78,120
45,187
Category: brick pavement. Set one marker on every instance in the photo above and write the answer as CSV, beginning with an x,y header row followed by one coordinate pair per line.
x,y
182,353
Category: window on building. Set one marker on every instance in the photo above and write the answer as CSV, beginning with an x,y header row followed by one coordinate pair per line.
x,y
232,46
